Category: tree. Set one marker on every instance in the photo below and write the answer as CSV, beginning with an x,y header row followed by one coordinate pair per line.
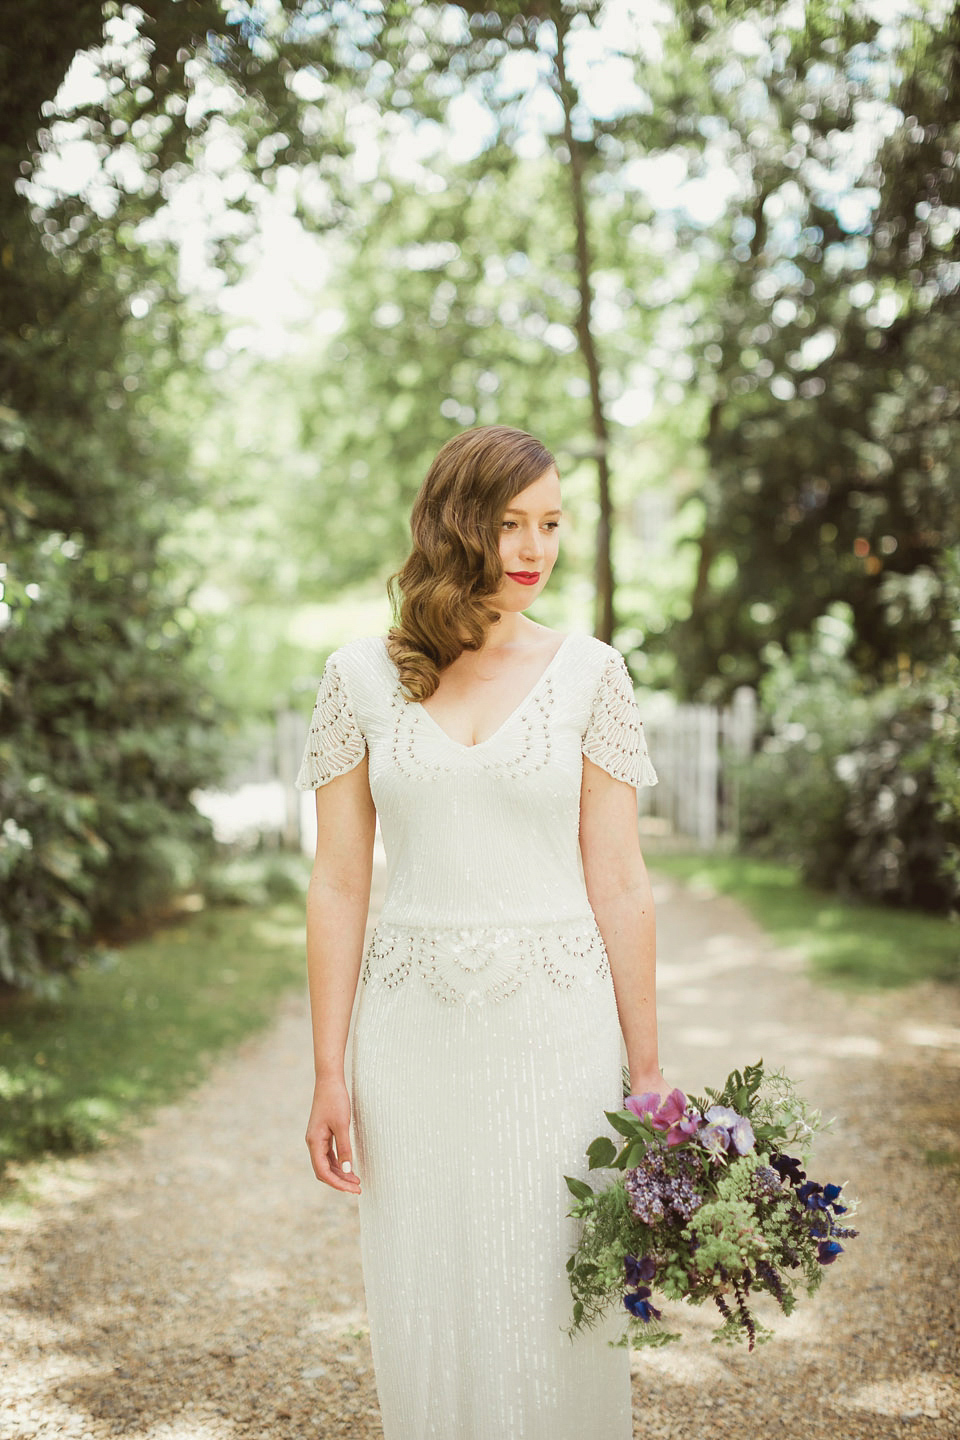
x,y
832,351
105,724
432,58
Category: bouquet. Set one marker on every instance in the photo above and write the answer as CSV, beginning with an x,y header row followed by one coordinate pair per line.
x,y
708,1205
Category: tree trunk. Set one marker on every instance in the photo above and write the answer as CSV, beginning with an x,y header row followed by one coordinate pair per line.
x,y
604,618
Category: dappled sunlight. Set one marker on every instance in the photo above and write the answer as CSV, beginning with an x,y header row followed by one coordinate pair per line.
x,y
349,1322
192,1282
849,1046
683,1364
259,1280
704,1036
915,1395
937,1037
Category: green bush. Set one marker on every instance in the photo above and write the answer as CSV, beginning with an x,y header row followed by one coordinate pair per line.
x,y
856,786
107,723
259,879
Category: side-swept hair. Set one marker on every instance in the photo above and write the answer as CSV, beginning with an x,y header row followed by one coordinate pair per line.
x,y
441,596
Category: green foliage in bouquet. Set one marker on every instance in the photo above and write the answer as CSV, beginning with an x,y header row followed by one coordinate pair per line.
x,y
707,1205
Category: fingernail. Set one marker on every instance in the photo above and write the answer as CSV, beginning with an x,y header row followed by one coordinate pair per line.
x,y
346,1167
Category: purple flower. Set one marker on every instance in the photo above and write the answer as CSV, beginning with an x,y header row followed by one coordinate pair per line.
x,y
659,1185
721,1115
767,1181
714,1139
827,1251
638,1304
737,1127
677,1117
787,1168
637,1271
673,1109
742,1136
641,1105
684,1129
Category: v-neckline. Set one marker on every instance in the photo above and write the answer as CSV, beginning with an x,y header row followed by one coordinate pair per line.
x,y
513,713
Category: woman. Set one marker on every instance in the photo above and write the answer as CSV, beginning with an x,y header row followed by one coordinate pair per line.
x,y
501,972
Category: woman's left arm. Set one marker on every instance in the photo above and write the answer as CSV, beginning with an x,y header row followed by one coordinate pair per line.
x,y
620,896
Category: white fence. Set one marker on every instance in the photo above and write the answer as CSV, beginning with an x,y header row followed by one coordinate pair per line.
x,y
260,801
691,747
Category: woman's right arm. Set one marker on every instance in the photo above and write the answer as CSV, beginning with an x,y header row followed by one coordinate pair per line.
x,y
337,901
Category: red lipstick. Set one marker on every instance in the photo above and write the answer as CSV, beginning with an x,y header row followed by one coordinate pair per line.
x,y
524,577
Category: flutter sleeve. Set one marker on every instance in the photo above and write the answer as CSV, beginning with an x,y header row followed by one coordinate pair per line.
x,y
335,743
614,737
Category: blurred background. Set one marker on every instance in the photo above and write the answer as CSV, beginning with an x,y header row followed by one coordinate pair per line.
x,y
258,261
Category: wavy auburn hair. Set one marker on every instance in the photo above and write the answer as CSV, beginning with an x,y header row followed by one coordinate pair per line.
x,y
441,596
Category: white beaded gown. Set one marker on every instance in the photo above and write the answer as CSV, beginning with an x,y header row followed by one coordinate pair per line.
x,y
486,1046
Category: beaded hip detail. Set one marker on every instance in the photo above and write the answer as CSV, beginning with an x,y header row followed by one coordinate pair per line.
x,y
488,962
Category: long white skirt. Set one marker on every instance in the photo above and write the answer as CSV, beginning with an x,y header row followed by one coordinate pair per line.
x,y
466,1118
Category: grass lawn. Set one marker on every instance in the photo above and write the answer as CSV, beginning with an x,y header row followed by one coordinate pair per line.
x,y
143,1027
856,945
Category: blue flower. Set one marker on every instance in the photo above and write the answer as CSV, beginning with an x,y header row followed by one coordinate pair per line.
x,y
830,1193
639,1305
811,1194
827,1251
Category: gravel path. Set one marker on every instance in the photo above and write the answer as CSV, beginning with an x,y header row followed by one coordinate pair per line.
x,y
196,1282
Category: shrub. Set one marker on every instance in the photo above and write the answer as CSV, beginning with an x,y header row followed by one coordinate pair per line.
x,y
857,786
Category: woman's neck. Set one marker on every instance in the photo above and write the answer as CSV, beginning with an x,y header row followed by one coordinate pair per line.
x,y
511,629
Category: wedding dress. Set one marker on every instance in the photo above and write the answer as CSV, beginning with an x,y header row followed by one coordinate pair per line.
x,y
486,1047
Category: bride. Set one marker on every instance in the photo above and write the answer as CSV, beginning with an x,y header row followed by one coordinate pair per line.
x,y
514,950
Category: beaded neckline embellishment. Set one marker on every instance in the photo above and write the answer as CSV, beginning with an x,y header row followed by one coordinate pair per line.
x,y
518,709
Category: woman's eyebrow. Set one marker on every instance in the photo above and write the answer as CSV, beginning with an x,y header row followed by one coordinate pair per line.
x,y
515,510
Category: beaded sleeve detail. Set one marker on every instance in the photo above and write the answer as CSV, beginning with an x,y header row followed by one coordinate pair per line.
x,y
614,737
473,965
335,743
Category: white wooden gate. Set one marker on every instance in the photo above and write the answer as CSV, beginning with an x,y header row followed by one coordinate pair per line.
x,y
691,747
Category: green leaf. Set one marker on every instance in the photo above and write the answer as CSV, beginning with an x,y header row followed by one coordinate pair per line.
x,y
634,1154
601,1151
623,1121
580,1188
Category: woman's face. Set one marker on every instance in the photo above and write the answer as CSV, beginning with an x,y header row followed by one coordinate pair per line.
x,y
529,542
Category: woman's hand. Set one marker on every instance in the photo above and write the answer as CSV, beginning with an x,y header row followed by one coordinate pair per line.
x,y
645,1082
329,1127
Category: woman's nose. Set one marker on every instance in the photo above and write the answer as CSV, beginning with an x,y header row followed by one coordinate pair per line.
x,y
532,545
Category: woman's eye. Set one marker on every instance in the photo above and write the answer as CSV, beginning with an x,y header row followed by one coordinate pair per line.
x,y
509,524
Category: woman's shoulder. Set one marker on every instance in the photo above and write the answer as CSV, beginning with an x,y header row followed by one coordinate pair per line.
x,y
362,662
356,652
591,655
361,672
